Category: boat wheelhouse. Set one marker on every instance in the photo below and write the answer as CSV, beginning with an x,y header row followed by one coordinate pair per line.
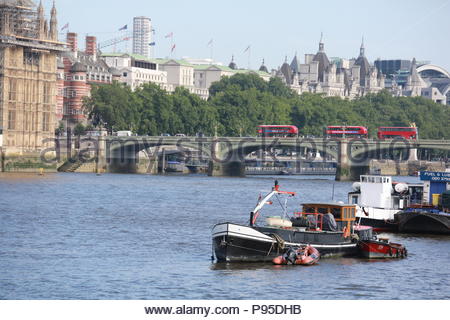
x,y
379,199
343,214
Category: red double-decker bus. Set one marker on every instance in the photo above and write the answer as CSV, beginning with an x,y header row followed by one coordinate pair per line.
x,y
278,131
408,133
346,132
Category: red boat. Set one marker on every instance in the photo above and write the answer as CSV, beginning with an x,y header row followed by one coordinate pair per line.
x,y
306,256
382,249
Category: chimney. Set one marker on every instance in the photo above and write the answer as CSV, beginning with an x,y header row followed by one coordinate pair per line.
x,y
72,41
91,46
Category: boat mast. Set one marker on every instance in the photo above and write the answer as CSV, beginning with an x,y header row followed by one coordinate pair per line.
x,y
276,190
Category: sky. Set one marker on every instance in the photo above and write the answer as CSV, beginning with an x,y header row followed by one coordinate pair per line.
x,y
275,30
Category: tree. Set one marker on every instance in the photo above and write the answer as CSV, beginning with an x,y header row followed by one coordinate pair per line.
x,y
238,104
112,106
79,130
60,129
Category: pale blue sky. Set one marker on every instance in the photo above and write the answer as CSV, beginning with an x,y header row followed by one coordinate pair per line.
x,y
274,29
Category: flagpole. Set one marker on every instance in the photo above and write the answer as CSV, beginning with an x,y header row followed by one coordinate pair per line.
x,y
152,40
115,44
172,44
172,48
249,56
211,47
212,53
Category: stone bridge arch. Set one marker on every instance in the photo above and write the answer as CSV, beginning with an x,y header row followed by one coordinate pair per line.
x,y
397,144
228,154
122,153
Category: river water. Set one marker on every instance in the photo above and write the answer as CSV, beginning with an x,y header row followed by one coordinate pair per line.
x,y
82,236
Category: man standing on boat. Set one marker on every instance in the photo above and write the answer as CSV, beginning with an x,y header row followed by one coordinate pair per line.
x,y
329,223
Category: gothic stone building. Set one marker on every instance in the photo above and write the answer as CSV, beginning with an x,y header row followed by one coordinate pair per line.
x,y
28,49
318,74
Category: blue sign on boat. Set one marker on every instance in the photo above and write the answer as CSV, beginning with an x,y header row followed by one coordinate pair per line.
x,y
435,176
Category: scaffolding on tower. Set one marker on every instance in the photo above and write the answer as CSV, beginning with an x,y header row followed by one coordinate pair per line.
x,y
18,18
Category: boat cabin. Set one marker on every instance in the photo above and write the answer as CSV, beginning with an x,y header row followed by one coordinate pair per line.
x,y
382,193
344,215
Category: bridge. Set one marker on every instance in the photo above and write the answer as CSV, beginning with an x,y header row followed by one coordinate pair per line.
x,y
227,155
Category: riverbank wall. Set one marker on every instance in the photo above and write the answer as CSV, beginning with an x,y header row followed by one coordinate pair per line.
x,y
404,168
27,162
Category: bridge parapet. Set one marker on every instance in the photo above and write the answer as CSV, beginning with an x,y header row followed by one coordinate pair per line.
x,y
227,154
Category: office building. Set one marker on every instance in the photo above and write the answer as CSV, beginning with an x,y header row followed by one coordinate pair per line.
x,y
142,36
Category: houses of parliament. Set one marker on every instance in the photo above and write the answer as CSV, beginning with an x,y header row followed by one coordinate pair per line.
x,y
28,49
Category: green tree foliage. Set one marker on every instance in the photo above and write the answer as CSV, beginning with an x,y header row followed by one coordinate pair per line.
x,y
60,129
240,103
114,107
79,129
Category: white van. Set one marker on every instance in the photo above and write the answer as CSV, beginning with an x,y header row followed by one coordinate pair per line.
x,y
124,133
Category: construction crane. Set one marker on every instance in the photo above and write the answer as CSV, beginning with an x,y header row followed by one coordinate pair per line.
x,y
115,41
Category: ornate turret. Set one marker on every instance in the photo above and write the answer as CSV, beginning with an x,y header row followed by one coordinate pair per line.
x,y
41,21
53,35
321,44
263,68
380,74
322,59
295,65
414,75
6,24
364,65
287,72
415,82
362,50
45,29
232,65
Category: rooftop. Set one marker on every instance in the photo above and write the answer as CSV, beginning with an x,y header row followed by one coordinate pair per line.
x,y
183,63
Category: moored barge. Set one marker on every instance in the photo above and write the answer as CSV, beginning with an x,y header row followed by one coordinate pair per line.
x,y
328,227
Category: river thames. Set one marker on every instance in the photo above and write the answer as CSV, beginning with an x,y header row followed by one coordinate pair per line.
x,y
82,236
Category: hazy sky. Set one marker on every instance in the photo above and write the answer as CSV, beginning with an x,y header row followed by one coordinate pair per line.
x,y
274,29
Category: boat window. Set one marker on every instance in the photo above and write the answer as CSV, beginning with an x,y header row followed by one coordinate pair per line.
x,y
309,210
416,195
322,210
354,199
336,213
353,213
396,203
345,215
